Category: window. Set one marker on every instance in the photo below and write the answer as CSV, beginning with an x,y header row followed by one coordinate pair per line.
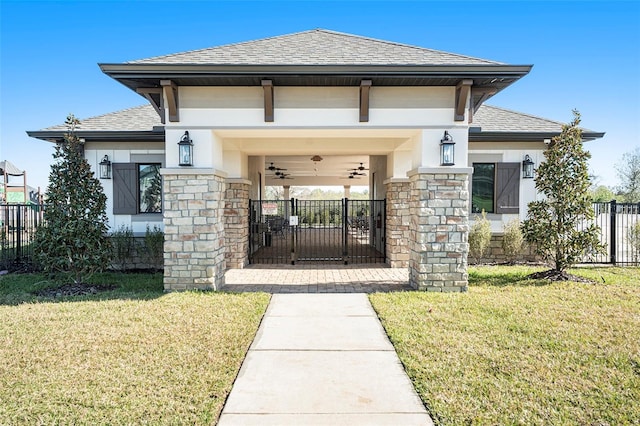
x,y
495,188
482,187
150,187
137,188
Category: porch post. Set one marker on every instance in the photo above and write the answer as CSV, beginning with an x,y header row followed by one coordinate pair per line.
x,y
439,209
398,222
194,252
236,223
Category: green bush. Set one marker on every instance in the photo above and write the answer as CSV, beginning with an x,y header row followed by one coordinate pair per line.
x,y
123,245
479,237
512,241
154,247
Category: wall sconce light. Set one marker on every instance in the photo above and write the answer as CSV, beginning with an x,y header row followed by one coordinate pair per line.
x,y
447,147
527,167
105,168
185,150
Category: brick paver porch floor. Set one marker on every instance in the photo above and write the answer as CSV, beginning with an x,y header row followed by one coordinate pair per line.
x,y
314,278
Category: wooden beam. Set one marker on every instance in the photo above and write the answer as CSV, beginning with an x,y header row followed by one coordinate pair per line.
x,y
170,90
462,95
155,98
365,86
267,85
478,96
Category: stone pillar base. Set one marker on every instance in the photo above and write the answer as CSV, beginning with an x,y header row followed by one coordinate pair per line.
x,y
236,222
193,229
439,231
398,222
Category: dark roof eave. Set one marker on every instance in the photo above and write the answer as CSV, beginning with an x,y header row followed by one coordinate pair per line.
x,y
475,136
129,70
102,136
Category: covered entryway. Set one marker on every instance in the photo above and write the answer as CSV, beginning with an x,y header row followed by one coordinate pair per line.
x,y
317,231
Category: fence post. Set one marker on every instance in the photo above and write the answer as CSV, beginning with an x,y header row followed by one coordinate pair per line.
x,y
293,229
345,230
18,233
612,233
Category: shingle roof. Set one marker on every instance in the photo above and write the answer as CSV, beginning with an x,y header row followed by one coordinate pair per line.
x,y
493,119
140,118
10,168
316,47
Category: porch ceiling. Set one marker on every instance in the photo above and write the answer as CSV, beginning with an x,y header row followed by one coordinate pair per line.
x,y
341,150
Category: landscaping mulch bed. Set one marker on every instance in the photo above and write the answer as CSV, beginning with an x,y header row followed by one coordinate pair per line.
x,y
75,290
553,275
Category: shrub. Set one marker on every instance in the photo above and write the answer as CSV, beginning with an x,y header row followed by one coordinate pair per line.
x,y
123,245
479,237
154,247
512,241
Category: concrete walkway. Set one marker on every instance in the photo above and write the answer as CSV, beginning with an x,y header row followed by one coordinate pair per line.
x,y
322,359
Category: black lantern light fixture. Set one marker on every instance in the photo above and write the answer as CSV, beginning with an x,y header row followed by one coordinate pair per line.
x,y
527,167
447,150
105,168
185,150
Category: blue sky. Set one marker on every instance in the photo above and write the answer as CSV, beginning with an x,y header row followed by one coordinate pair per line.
x,y
586,55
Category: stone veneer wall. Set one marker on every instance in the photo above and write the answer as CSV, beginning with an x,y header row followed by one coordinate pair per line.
x,y
236,222
398,223
439,231
194,229
495,253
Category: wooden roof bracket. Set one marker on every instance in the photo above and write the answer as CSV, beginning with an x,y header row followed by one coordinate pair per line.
x,y
365,86
463,90
267,86
170,90
478,96
155,98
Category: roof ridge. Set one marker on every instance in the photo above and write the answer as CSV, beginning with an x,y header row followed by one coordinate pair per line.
x,y
525,114
318,30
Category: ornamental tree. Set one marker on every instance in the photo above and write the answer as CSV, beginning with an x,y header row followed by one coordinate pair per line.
x,y
554,224
628,169
73,238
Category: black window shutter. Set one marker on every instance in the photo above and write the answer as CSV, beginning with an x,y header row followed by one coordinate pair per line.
x,y
125,188
507,188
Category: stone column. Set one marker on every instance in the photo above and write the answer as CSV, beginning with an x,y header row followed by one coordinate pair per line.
x,y
347,191
439,209
286,197
194,252
398,222
236,223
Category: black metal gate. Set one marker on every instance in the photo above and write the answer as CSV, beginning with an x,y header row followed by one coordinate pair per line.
x,y
299,231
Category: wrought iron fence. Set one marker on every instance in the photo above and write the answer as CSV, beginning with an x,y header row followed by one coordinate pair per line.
x,y
619,225
18,223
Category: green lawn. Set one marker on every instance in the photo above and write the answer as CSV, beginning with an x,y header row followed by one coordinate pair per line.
x,y
514,351
133,355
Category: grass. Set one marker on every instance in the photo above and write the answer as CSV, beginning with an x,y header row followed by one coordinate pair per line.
x,y
516,351
133,355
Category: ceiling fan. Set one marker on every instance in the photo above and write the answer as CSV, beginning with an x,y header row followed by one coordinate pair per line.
x,y
360,168
280,175
274,168
354,175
